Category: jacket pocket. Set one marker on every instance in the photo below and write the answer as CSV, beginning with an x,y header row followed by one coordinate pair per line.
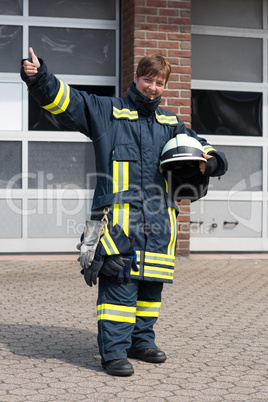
x,y
123,154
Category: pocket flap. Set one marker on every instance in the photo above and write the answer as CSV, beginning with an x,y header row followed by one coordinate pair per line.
x,y
125,152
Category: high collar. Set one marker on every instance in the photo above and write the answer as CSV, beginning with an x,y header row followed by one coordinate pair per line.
x,y
145,106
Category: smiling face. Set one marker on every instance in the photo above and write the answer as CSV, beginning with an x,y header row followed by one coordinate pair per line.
x,y
150,86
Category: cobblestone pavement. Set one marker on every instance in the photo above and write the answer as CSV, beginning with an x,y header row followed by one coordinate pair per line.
x,y
213,327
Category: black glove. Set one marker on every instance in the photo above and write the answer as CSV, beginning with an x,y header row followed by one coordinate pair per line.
x,y
211,166
91,273
112,266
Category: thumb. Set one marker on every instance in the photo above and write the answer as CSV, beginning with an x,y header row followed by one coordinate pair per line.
x,y
34,58
206,156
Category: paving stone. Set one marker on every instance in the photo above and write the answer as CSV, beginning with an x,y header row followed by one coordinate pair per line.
x,y
212,326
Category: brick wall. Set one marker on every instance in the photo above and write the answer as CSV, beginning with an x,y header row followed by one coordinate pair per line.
x,y
162,26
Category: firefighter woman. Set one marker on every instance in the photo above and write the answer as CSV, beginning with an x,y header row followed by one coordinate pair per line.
x,y
128,135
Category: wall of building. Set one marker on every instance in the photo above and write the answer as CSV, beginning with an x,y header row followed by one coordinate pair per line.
x,y
162,26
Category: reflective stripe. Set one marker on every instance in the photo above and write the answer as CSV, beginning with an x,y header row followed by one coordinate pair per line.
x,y
208,148
125,114
163,119
62,100
157,272
148,309
121,216
166,183
120,176
109,244
114,312
157,258
163,271
173,231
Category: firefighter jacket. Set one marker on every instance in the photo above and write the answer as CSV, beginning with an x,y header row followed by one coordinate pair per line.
x,y
128,135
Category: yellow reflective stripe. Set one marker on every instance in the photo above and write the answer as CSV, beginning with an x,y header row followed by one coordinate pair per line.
x,y
163,119
121,216
208,148
158,258
173,231
114,312
125,114
120,176
115,176
166,183
156,272
125,181
159,261
109,244
148,309
62,100
148,304
135,272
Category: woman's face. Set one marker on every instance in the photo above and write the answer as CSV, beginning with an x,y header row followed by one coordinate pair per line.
x,y
149,86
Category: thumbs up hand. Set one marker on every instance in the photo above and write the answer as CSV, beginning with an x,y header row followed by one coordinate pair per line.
x,y
30,68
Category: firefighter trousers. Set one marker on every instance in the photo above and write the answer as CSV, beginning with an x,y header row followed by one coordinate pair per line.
x,y
126,314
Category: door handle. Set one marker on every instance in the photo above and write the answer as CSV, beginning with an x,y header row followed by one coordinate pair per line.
x,y
230,223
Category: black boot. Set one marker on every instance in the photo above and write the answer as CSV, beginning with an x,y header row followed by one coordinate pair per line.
x,y
119,367
149,355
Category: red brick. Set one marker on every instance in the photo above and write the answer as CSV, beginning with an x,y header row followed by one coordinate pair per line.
x,y
163,52
140,19
185,94
186,110
185,209
186,118
169,94
169,28
145,43
179,102
145,27
179,37
156,3
169,12
156,20
179,85
184,245
185,29
183,236
172,109
182,218
185,62
179,53
186,45
137,3
179,21
179,4
186,78
181,70
156,35
139,35
186,13
168,44
140,52
145,10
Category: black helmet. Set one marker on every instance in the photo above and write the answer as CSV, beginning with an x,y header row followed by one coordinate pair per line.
x,y
179,164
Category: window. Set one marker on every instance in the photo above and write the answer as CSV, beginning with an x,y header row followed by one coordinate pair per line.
x,y
47,172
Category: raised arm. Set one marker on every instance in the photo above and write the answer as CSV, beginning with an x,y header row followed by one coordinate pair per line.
x,y
75,109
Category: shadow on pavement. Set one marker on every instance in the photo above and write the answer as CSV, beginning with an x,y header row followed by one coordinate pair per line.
x,y
71,345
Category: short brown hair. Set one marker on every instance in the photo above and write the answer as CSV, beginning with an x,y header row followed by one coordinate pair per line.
x,y
153,65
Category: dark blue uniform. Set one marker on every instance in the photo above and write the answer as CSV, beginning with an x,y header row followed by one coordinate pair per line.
x,y
128,135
